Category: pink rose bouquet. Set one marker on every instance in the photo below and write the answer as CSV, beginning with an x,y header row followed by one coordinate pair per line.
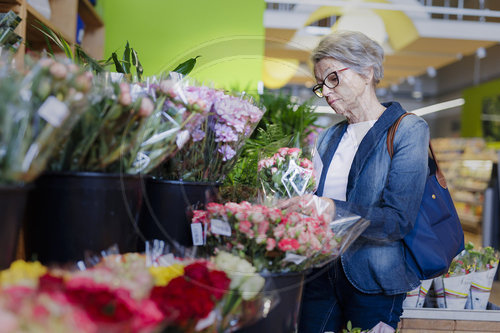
x,y
273,240
286,174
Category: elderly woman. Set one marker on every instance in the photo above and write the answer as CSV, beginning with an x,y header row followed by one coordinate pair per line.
x,y
368,284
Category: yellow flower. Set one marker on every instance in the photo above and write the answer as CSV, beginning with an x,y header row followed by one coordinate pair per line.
x,y
163,275
22,273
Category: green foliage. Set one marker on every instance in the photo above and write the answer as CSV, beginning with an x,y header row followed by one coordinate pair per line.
x,y
186,67
79,57
124,66
286,123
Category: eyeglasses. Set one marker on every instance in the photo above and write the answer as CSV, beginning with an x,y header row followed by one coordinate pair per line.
x,y
331,81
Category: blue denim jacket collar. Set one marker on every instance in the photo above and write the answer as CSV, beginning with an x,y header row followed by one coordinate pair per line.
x,y
330,141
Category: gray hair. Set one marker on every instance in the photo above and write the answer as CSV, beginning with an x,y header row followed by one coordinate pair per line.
x,y
354,49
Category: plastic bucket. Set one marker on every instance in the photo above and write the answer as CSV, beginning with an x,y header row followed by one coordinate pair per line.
x,y
71,213
168,205
12,207
284,317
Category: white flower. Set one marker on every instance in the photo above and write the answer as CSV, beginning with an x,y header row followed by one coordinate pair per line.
x,y
251,286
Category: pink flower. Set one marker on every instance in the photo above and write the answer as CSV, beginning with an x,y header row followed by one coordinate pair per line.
x,y
262,228
282,151
227,151
270,244
245,226
257,217
307,164
215,208
274,170
294,152
288,244
279,231
199,216
146,108
59,71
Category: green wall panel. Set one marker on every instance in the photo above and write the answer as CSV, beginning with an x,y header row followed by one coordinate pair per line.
x,y
228,34
472,110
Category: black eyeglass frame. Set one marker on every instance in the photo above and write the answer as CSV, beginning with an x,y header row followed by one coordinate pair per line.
x,y
318,88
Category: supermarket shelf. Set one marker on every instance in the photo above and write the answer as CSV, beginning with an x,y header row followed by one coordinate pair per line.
x,y
468,188
89,14
472,202
471,219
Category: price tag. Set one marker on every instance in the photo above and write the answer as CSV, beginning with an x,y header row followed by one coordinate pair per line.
x,y
197,233
220,227
53,111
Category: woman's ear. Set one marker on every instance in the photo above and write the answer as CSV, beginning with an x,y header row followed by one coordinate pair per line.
x,y
369,75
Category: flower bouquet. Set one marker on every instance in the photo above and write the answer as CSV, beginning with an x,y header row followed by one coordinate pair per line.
x,y
110,128
213,140
165,131
285,175
39,109
122,294
485,268
416,297
453,288
273,240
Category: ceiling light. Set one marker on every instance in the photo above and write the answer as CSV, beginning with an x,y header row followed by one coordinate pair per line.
x,y
439,107
431,71
481,53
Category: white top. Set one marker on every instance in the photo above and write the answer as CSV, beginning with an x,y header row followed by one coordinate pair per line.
x,y
338,172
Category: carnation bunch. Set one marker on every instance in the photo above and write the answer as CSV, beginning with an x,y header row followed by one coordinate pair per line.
x,y
273,240
212,141
286,174
39,109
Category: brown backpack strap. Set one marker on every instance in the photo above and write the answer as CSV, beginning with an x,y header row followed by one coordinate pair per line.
x,y
391,133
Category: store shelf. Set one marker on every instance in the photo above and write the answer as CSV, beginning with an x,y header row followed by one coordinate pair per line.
x,y
89,14
471,202
34,37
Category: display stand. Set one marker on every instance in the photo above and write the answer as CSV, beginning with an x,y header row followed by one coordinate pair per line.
x,y
444,320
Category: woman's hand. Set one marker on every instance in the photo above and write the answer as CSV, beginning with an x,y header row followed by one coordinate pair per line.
x,y
310,204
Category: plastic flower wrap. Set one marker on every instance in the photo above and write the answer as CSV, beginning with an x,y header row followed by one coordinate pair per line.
x,y
111,127
212,141
286,174
272,239
485,267
165,131
39,109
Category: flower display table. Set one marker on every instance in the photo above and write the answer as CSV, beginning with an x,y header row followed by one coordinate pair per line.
x,y
432,320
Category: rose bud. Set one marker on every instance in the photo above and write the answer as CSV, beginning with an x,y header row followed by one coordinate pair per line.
x,y
146,108
59,71
125,99
124,87
83,83
46,62
73,68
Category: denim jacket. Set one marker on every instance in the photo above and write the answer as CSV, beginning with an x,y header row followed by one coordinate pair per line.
x,y
385,191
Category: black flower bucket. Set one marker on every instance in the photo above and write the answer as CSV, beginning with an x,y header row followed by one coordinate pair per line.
x,y
69,214
168,206
12,207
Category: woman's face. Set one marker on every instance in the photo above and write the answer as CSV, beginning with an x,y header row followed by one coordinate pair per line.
x,y
347,97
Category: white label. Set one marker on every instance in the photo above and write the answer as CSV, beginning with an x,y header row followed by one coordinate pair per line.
x,y
182,138
53,111
197,233
220,227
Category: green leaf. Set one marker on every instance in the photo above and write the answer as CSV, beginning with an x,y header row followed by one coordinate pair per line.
x,y
137,64
186,67
126,58
118,65
349,326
